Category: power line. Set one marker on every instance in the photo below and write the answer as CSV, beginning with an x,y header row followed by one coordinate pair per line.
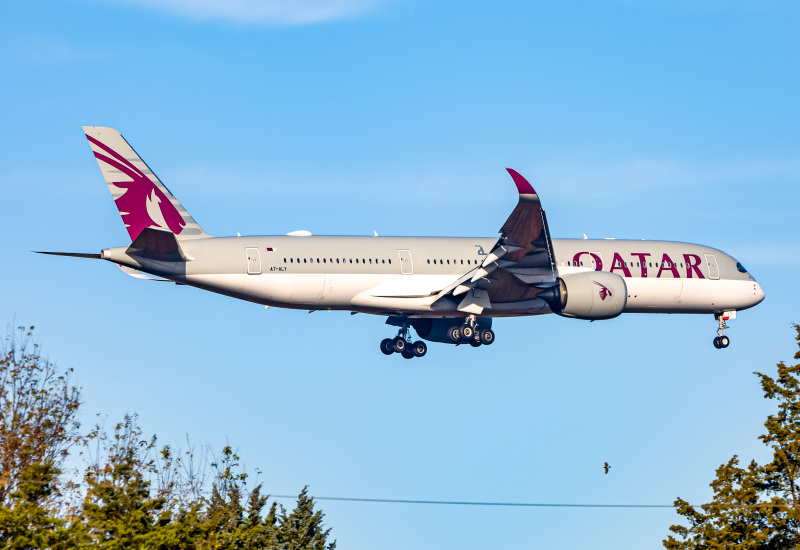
x,y
471,503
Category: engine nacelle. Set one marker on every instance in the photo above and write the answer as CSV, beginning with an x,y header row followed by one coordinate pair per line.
x,y
591,295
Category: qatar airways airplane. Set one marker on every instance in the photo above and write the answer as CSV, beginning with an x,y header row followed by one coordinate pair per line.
x,y
447,289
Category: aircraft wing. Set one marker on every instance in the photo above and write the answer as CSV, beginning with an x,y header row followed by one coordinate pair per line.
x,y
519,266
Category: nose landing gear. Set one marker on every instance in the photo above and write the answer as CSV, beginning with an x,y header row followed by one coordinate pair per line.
x,y
402,344
721,341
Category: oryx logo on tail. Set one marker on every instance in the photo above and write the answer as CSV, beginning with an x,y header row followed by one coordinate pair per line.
x,y
605,292
142,204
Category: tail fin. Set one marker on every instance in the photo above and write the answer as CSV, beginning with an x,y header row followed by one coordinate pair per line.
x,y
142,200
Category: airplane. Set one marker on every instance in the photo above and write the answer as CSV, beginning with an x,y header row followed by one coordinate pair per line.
x,y
448,290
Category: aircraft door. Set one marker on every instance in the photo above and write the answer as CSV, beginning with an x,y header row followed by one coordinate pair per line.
x,y
253,261
406,265
713,268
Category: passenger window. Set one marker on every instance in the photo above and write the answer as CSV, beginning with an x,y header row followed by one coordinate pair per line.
x,y
351,260
291,260
448,262
284,260
429,261
384,261
390,261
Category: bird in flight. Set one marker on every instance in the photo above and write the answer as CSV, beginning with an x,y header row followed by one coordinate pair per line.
x,y
606,466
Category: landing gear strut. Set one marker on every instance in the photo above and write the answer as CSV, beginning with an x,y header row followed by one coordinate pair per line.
x,y
721,341
402,344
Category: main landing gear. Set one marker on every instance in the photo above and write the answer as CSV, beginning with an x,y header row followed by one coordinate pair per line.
x,y
471,333
721,341
402,344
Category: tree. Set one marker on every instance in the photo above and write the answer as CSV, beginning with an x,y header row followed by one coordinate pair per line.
x,y
26,523
38,425
130,495
303,528
118,510
38,414
757,507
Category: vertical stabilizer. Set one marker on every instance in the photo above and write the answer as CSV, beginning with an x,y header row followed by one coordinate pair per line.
x,y
142,200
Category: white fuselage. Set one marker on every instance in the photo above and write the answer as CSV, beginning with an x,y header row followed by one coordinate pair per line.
x,y
404,275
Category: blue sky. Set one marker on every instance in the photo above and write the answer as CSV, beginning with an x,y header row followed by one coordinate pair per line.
x,y
633,119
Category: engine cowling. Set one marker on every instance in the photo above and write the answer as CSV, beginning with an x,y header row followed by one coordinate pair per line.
x,y
591,295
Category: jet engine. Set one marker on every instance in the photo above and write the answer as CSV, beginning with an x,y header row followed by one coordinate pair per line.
x,y
591,295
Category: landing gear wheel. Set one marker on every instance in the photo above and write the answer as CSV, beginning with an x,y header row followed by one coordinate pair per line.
x,y
716,342
475,343
407,354
724,341
419,348
399,344
454,333
387,346
467,332
487,336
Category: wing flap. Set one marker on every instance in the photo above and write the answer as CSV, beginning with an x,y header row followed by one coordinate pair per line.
x,y
419,286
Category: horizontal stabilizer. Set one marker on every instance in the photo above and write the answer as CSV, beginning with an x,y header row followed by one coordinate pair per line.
x,y
71,254
140,274
158,245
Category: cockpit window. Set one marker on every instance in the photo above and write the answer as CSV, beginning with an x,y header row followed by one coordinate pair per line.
x,y
741,268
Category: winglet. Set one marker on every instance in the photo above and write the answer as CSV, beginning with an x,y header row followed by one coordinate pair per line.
x,y
523,186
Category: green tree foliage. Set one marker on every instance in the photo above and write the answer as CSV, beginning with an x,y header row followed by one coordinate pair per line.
x,y
38,414
27,522
118,510
131,494
38,426
757,507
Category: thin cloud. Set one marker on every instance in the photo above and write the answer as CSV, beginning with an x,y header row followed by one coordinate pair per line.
x,y
594,179
275,12
44,50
